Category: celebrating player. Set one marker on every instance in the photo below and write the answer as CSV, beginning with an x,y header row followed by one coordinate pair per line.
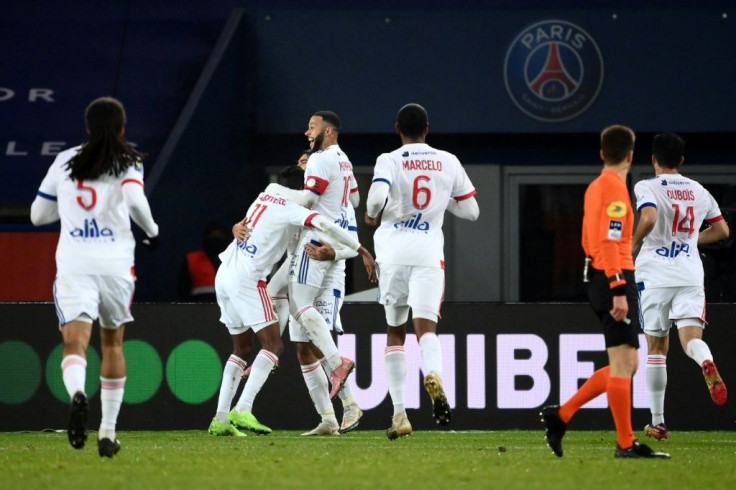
x,y
95,189
411,189
669,272
246,306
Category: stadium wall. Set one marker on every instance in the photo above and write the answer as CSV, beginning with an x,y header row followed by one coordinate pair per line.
x,y
502,362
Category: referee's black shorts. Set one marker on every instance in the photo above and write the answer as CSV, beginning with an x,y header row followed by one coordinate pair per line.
x,y
601,300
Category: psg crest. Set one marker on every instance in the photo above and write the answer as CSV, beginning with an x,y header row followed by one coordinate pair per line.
x,y
553,70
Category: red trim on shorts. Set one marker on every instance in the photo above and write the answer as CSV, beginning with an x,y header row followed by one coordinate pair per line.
x,y
265,301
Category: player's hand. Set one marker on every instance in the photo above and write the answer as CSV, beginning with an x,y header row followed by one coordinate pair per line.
x,y
370,265
240,231
321,252
151,243
372,221
620,309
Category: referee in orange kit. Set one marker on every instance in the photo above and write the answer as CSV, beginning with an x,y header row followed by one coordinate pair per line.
x,y
608,224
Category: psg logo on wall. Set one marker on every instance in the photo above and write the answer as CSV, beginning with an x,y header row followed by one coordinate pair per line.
x,y
553,71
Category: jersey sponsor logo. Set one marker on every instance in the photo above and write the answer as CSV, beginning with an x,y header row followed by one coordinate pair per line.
x,y
343,221
615,229
616,209
553,70
248,248
673,250
413,223
405,154
422,165
91,229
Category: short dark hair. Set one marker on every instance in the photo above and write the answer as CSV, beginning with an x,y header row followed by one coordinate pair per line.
x,y
668,149
292,177
330,118
616,142
412,120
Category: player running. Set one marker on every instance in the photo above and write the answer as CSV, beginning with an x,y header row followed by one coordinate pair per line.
x,y
669,272
411,189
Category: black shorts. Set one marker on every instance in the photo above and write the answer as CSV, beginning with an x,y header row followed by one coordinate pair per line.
x,y
601,300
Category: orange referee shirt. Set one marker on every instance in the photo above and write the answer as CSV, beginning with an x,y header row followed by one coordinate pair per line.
x,y
608,223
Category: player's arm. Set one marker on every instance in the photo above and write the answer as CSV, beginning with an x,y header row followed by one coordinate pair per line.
x,y
44,209
377,195
647,220
304,198
465,208
718,230
355,197
333,231
140,210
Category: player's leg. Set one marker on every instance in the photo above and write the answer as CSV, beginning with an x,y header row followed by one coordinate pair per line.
x,y
301,299
317,384
116,294
266,360
395,363
426,289
655,312
689,313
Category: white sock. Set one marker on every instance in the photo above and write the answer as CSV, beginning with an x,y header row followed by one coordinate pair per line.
x,y
316,329
111,397
431,353
74,373
345,394
231,376
698,351
656,373
395,360
260,369
316,381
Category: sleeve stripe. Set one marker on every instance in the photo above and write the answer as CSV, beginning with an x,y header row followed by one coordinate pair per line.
x,y
645,205
715,220
308,221
466,196
381,179
132,181
354,189
46,196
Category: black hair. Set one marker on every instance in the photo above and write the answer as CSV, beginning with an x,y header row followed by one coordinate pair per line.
x,y
616,143
292,177
330,118
668,149
106,151
412,120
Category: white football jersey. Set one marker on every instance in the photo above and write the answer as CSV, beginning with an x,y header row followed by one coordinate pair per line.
x,y
273,220
421,180
329,174
669,255
96,236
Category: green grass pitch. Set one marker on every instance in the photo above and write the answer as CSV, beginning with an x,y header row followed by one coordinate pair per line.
x,y
363,459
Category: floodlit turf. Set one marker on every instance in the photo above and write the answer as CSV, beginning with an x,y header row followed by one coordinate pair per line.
x,y
364,459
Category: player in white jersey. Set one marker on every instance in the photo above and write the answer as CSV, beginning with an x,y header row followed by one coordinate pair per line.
x,y
411,189
669,272
329,187
245,305
95,189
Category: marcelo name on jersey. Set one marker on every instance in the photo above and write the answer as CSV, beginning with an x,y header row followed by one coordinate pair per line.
x,y
91,229
413,223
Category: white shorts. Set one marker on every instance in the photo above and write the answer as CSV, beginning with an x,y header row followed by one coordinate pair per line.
x,y
328,303
663,307
87,298
304,270
421,288
244,302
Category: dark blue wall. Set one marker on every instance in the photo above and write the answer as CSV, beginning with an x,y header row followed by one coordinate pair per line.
x,y
662,65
